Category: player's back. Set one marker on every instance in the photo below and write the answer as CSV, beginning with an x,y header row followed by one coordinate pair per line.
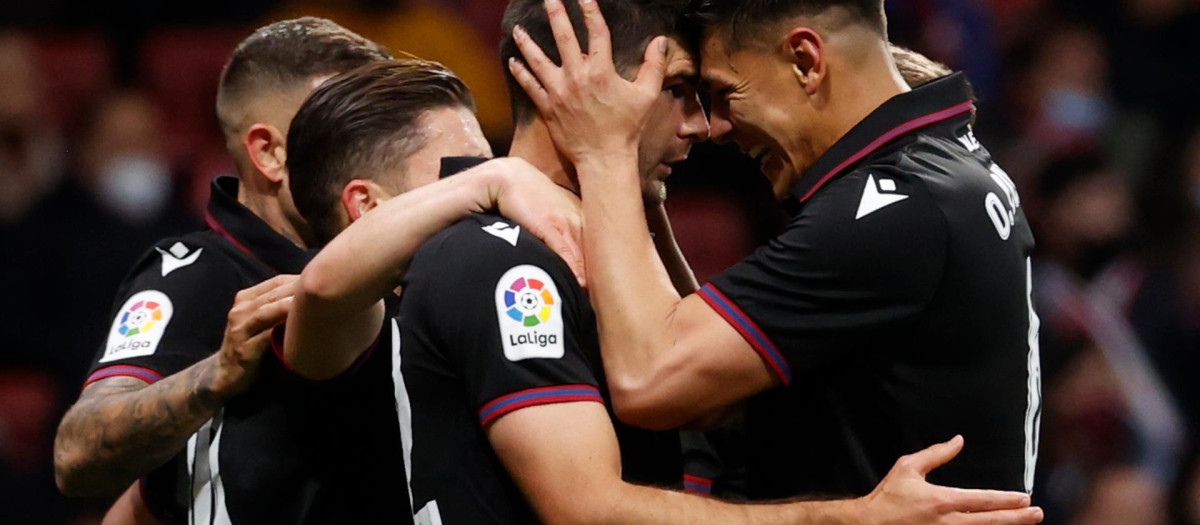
x,y
492,321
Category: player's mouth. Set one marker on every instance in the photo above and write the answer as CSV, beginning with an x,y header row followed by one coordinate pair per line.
x,y
666,167
761,153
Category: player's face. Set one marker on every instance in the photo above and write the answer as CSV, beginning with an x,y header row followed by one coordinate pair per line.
x,y
677,121
448,132
758,104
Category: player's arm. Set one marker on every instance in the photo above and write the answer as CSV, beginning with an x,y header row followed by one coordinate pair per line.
x,y
344,285
123,427
566,460
651,337
668,250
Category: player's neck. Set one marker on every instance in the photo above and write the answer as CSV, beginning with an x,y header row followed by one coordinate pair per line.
x,y
873,83
532,143
270,210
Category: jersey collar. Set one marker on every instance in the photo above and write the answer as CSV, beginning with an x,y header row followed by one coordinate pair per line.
x,y
249,233
928,104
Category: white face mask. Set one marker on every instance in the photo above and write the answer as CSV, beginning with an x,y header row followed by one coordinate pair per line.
x,y
135,187
1077,112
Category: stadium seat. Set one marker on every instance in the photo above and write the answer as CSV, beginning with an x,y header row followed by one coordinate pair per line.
x,y
181,68
75,67
713,231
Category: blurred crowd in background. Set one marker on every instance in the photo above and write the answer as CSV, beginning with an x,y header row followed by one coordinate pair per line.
x,y
108,141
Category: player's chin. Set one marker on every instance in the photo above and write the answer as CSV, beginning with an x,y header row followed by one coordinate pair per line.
x,y
654,192
781,175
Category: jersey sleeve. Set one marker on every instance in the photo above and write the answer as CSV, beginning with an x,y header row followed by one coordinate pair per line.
x,y
863,257
509,317
169,313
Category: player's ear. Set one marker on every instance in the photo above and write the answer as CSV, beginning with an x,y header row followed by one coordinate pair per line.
x,y
360,196
266,148
806,51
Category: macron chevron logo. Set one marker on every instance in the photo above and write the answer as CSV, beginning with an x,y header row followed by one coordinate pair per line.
x,y
504,231
877,197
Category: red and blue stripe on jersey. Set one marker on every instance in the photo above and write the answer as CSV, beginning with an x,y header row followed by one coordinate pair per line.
x,y
537,396
749,330
697,485
144,374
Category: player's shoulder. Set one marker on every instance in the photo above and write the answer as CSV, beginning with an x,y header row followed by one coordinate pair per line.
x,y
488,241
875,197
191,265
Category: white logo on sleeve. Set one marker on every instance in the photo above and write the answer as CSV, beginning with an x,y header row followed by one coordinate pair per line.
x,y
504,231
529,310
139,326
177,257
876,198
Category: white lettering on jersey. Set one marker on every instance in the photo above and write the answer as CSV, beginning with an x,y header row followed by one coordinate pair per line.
x,y
139,326
504,231
1003,218
969,141
529,310
876,197
177,257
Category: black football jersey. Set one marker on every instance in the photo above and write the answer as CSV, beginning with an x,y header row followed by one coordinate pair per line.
x,y
286,451
896,306
492,321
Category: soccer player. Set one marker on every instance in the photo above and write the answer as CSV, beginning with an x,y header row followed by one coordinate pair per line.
x,y
177,352
895,306
498,385
713,457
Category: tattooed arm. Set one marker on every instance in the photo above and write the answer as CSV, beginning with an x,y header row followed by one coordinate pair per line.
x,y
122,427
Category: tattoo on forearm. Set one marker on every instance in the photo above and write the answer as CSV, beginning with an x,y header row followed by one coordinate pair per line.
x,y
121,428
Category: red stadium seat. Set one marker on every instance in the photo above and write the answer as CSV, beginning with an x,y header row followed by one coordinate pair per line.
x,y
75,67
713,230
181,69
27,416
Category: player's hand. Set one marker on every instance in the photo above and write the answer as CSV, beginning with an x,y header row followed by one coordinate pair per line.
x,y
256,311
592,112
545,209
905,498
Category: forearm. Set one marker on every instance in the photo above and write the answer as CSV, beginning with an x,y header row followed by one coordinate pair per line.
x,y
365,262
668,250
638,504
120,431
631,290
345,284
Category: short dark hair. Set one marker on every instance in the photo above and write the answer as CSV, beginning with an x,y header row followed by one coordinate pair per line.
x,y
359,125
287,54
741,18
632,24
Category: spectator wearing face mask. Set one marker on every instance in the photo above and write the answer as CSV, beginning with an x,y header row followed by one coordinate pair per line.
x,y
116,201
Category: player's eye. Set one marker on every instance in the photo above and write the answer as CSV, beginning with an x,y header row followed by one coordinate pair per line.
x,y
681,90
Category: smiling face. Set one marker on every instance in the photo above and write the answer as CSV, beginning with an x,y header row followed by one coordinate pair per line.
x,y
758,103
677,122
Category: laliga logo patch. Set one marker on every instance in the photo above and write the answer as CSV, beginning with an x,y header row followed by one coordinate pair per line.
x,y
530,314
139,326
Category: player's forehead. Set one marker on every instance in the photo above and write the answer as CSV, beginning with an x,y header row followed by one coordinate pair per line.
x,y
682,63
715,64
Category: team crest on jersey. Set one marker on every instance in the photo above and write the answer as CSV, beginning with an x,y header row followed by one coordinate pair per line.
x,y
139,326
529,310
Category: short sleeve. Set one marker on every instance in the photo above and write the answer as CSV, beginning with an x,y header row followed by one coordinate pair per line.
x,y
508,316
862,258
168,314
